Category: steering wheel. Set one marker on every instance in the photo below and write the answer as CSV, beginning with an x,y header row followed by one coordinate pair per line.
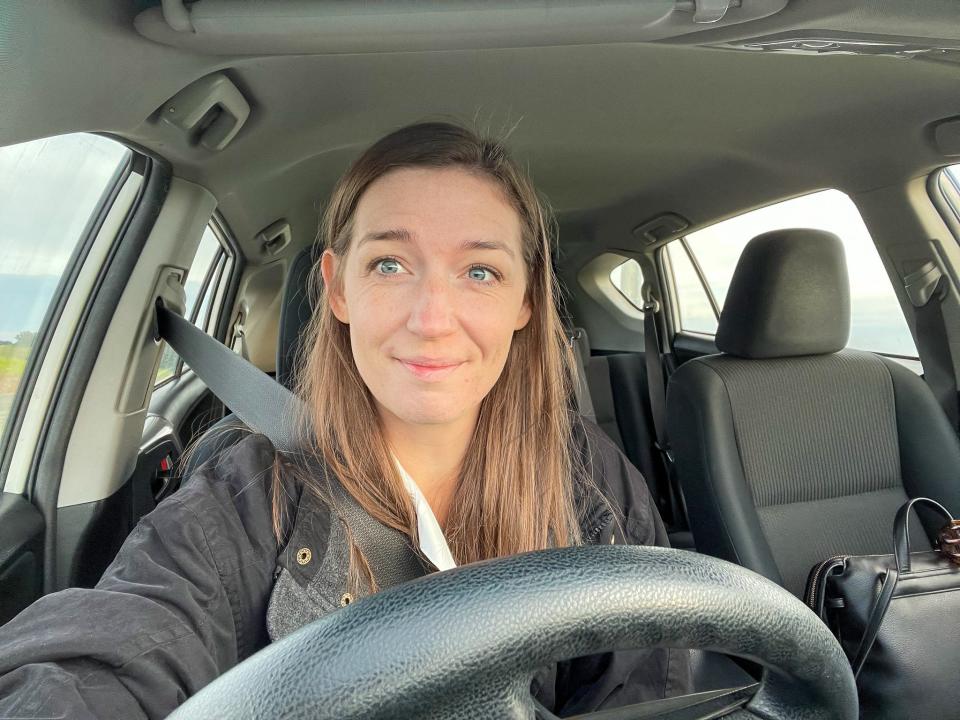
x,y
466,643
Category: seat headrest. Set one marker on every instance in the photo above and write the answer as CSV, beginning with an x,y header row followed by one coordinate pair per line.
x,y
789,296
295,312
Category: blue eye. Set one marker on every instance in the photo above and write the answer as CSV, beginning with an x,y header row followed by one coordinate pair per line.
x,y
388,266
480,274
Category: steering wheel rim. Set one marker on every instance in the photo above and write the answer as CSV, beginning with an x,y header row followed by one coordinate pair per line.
x,y
466,642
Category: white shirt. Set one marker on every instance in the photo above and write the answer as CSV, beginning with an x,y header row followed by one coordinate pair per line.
x,y
432,542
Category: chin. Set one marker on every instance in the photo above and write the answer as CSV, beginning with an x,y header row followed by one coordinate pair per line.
x,y
429,410
427,415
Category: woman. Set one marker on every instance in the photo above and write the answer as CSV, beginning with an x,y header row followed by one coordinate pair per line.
x,y
436,379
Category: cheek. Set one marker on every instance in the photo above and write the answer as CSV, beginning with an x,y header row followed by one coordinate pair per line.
x,y
375,315
492,329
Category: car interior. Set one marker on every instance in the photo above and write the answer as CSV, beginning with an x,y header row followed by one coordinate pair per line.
x,y
757,225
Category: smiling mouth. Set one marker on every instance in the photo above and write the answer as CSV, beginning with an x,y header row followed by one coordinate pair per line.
x,y
430,369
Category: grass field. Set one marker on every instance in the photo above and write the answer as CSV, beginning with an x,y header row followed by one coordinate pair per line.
x,y
13,360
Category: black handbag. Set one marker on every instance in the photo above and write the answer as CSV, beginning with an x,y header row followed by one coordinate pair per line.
x,y
897,618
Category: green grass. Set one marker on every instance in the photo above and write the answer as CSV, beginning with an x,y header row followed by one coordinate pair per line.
x,y
13,361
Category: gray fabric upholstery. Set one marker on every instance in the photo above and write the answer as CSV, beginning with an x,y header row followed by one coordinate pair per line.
x,y
789,296
295,312
598,380
803,534
811,428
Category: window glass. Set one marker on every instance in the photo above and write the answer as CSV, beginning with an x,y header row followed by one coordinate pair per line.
x,y
954,172
204,266
50,190
877,321
696,313
628,279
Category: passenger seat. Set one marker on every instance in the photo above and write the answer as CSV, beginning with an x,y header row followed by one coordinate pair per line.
x,y
789,448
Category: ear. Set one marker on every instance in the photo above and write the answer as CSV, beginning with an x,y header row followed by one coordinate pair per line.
x,y
328,269
524,317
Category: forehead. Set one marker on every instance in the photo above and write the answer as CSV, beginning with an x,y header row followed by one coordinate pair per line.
x,y
437,203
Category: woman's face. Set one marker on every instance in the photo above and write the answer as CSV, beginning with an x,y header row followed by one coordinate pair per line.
x,y
433,288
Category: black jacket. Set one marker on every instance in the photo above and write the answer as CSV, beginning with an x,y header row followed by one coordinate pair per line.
x,y
186,599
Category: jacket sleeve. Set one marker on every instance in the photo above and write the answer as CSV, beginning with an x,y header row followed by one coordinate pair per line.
x,y
184,600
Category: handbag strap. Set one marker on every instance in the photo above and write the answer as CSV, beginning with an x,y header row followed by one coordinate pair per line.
x,y
901,530
876,618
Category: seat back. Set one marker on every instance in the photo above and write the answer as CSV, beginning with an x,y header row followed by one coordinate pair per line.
x,y
789,448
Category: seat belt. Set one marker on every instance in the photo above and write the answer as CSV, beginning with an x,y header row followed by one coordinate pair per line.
x,y
656,384
927,288
657,391
269,408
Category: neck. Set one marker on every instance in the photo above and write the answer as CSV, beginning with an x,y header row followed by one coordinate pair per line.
x,y
432,454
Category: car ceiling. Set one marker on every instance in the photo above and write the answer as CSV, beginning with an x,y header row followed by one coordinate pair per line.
x,y
612,131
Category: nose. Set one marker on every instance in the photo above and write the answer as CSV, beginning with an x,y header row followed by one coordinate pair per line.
x,y
432,312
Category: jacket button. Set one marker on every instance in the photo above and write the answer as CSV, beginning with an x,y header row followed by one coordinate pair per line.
x,y
346,599
304,555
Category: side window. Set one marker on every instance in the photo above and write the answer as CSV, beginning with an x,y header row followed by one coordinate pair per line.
x,y
877,321
50,192
206,277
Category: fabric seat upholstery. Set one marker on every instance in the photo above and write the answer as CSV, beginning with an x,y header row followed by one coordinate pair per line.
x,y
789,448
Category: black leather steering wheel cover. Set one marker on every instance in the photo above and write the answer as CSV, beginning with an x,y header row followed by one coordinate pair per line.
x,y
465,643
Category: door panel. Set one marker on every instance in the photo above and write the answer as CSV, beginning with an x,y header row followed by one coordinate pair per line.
x,y
21,554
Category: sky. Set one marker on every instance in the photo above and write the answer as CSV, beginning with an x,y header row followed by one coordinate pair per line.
x,y
48,191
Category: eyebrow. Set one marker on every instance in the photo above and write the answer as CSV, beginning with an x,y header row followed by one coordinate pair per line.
x,y
405,236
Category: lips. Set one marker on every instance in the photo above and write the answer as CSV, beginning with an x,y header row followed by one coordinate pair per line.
x,y
430,368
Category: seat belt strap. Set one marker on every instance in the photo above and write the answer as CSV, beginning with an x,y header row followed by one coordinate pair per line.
x,y
927,289
656,389
267,407
253,396
656,385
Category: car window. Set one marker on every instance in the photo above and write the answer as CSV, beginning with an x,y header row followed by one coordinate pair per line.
x,y
51,191
877,320
206,275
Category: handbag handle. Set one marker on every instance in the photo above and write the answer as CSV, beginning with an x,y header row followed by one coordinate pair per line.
x,y
901,552
901,530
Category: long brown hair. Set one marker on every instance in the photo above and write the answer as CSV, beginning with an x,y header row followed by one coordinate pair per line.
x,y
515,489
